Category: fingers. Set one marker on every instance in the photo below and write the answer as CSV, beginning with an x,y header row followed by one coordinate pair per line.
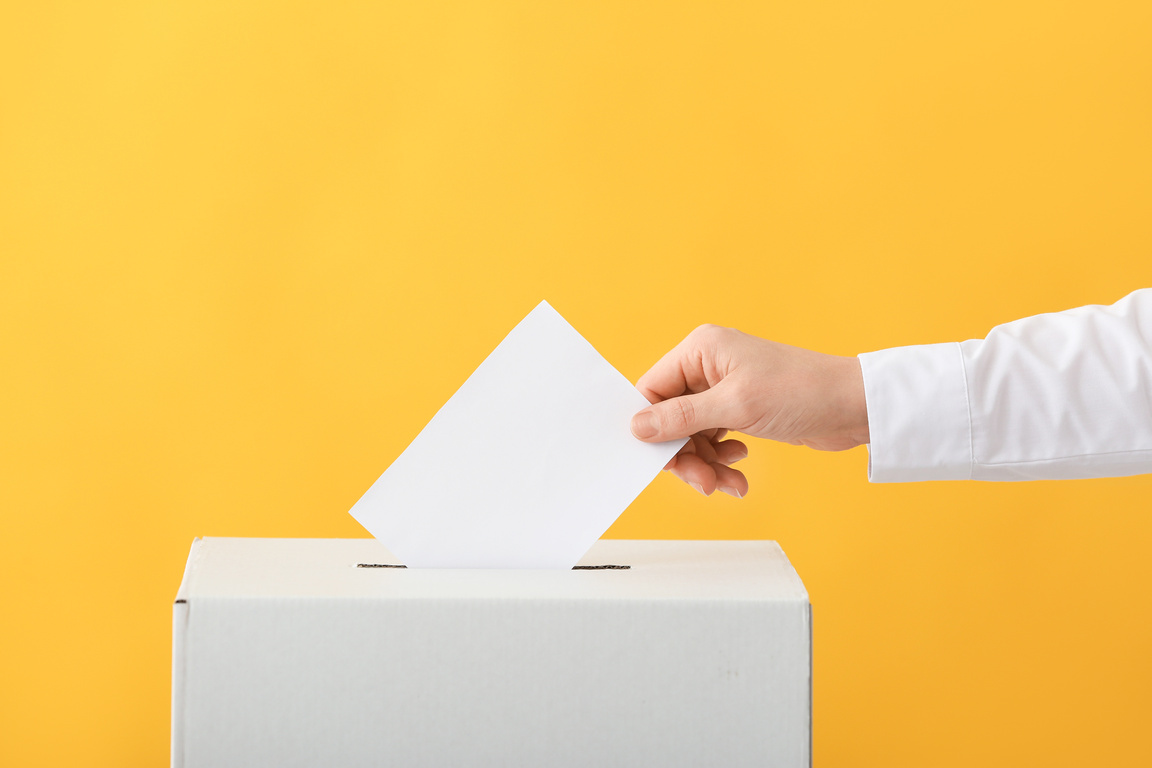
x,y
731,481
667,377
696,472
689,402
688,367
703,448
703,465
708,478
730,451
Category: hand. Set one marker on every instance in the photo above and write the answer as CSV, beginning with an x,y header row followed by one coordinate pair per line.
x,y
719,380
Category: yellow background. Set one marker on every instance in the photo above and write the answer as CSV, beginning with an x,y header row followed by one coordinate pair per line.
x,y
247,249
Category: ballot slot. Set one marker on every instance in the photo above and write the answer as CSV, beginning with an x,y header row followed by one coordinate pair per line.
x,y
605,567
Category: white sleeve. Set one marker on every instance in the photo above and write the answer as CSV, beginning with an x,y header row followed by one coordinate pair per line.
x,y
1061,395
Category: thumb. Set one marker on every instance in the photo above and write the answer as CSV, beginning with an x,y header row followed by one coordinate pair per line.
x,y
679,417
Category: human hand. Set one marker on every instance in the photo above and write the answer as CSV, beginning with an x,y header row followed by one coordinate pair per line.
x,y
719,380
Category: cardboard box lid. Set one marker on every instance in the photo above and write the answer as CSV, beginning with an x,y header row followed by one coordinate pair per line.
x,y
330,568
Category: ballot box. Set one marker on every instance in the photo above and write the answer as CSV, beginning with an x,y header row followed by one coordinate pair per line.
x,y
322,652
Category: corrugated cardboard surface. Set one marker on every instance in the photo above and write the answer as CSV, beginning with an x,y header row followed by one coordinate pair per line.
x,y
288,654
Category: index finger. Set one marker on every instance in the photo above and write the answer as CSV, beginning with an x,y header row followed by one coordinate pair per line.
x,y
679,372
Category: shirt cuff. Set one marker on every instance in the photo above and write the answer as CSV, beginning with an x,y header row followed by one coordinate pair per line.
x,y
918,417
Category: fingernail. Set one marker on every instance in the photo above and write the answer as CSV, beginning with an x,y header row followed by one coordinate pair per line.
x,y
697,487
732,492
644,424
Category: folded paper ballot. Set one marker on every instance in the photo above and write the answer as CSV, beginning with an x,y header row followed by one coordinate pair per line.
x,y
525,466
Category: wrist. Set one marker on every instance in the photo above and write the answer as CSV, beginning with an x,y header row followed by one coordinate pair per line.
x,y
853,404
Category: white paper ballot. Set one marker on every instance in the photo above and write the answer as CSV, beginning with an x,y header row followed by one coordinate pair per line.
x,y
525,466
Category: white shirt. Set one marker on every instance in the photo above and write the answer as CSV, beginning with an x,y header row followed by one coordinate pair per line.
x,y
1061,395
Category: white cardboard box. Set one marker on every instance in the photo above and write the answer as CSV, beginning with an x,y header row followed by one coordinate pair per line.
x,y
286,653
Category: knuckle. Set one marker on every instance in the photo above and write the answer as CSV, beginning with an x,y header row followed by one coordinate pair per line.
x,y
681,414
707,330
710,335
